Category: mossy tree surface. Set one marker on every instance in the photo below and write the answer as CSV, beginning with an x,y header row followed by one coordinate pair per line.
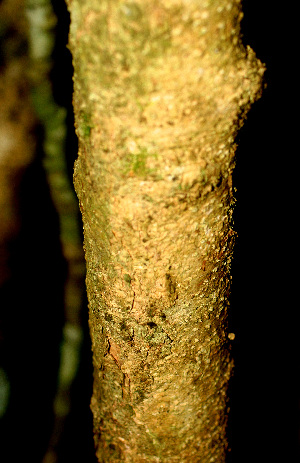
x,y
161,88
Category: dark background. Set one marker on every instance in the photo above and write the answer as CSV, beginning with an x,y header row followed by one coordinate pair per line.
x,y
265,397
265,393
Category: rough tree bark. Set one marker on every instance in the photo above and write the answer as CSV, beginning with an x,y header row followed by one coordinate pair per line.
x,y
161,88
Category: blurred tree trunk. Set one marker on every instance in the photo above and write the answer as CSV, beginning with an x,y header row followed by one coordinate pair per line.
x,y
161,89
17,122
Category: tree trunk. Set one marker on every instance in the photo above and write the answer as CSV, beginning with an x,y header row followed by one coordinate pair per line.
x,y
161,88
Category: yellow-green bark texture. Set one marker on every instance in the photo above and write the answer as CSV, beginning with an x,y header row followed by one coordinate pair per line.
x,y
160,90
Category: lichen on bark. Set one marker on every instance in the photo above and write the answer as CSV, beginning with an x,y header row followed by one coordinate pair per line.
x,y
164,87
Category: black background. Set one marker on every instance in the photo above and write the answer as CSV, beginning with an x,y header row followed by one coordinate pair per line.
x,y
264,310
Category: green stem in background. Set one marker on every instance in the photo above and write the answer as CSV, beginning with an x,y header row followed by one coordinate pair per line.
x,y
42,22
